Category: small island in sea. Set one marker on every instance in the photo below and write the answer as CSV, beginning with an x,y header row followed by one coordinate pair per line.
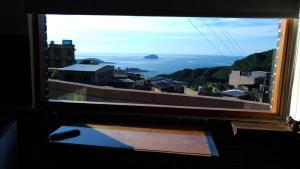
x,y
151,57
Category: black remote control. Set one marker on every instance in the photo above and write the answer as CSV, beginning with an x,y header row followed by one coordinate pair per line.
x,y
64,135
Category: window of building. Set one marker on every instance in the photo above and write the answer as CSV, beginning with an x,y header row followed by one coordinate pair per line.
x,y
279,75
205,63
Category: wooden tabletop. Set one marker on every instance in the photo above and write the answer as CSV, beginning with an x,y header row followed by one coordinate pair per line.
x,y
187,142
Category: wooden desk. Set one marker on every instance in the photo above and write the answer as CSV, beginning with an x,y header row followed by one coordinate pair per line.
x,y
197,143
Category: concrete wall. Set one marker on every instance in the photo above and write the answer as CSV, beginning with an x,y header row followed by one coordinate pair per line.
x,y
104,75
244,80
236,79
76,76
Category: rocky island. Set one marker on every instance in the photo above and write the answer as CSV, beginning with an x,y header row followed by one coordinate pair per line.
x,y
151,57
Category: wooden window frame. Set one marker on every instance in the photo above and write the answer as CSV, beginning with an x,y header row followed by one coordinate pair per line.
x,y
280,94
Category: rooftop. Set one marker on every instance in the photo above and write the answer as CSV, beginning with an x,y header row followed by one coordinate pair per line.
x,y
119,75
124,80
83,67
162,84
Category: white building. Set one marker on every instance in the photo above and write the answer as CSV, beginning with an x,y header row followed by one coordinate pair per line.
x,y
236,78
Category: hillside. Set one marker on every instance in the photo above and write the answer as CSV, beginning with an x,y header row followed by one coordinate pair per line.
x,y
257,61
194,77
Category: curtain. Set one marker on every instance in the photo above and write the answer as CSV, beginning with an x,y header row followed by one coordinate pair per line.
x,y
295,96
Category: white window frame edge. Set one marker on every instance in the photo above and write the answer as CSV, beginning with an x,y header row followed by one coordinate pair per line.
x,y
294,102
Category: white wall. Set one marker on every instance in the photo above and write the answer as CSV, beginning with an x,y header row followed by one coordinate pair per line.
x,y
295,97
236,79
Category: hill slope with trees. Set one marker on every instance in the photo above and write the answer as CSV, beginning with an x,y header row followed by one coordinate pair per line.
x,y
194,77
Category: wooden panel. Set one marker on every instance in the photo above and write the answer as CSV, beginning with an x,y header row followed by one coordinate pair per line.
x,y
122,108
281,66
198,143
260,126
289,71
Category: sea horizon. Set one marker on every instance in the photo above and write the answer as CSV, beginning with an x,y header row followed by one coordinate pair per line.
x,y
165,64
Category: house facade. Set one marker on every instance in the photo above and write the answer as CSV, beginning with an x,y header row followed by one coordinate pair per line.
x,y
61,55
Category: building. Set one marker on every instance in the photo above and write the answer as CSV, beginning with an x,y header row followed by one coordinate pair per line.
x,y
121,80
139,79
125,79
237,78
61,55
88,74
168,85
255,83
163,86
123,83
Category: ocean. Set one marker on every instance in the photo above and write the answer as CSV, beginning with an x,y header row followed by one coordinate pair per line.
x,y
165,64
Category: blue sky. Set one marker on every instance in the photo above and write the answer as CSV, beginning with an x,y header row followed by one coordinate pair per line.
x,y
163,35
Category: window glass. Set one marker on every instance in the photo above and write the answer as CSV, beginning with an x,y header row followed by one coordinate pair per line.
x,y
176,61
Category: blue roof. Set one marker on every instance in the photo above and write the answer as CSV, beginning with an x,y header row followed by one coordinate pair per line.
x,y
83,67
234,93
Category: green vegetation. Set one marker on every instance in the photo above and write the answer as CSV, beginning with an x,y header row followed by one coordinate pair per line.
x,y
78,95
255,62
218,76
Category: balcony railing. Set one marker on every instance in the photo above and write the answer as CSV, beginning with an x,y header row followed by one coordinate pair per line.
x,y
63,90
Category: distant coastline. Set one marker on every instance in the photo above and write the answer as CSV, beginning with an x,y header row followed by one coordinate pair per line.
x,y
166,64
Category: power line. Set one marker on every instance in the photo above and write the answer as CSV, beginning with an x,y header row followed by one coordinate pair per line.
x,y
217,36
221,54
230,37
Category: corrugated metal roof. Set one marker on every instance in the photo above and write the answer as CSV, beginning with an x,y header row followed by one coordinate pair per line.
x,y
83,67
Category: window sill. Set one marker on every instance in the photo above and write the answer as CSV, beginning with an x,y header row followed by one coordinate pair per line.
x,y
255,126
180,142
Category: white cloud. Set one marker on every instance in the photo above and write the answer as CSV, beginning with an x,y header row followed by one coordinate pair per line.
x,y
77,23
